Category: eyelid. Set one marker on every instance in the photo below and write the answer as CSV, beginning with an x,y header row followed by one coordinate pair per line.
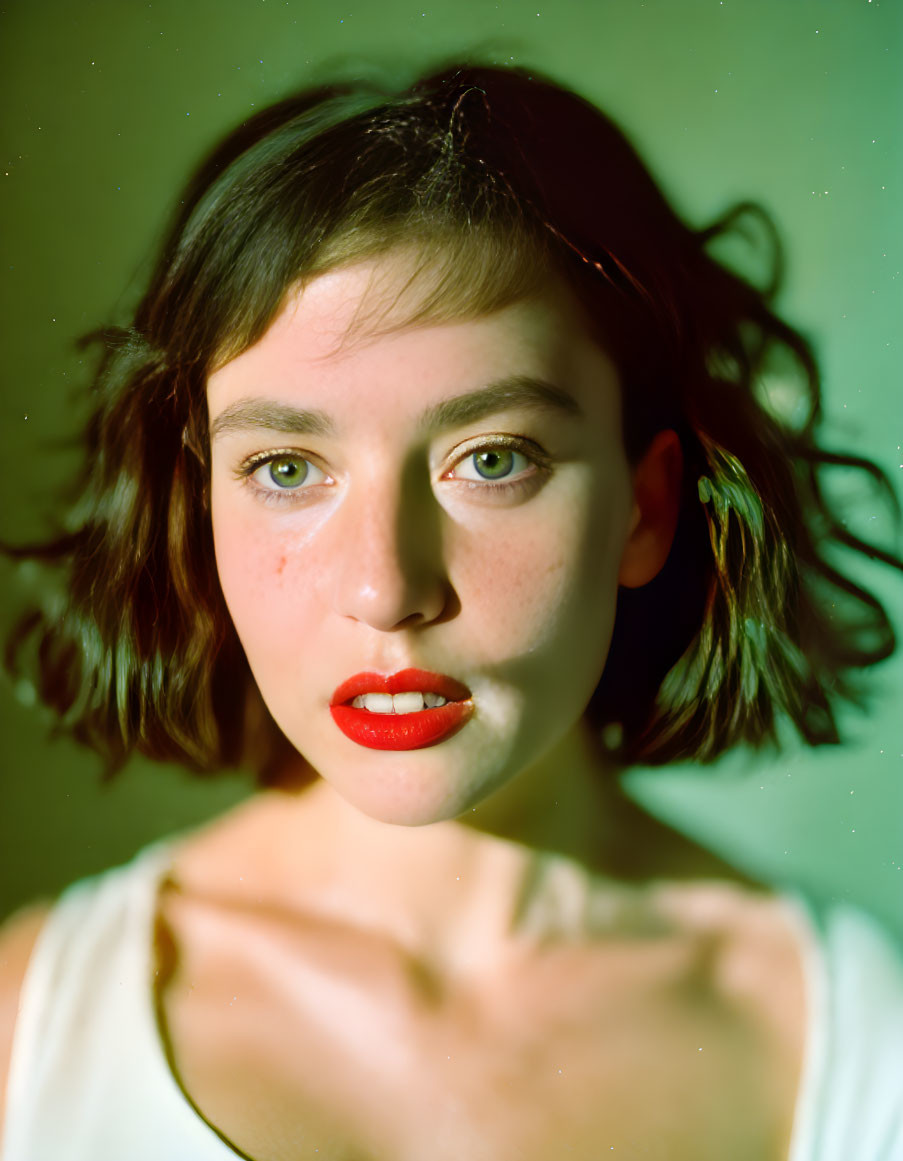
x,y
518,443
251,465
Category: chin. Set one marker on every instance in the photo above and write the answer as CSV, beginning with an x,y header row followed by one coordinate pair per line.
x,y
407,799
413,789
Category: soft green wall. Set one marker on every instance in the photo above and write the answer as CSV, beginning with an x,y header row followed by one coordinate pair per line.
x,y
797,103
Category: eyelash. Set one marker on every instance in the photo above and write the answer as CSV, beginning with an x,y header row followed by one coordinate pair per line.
x,y
538,459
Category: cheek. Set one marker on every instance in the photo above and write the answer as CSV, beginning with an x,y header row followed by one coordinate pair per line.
x,y
547,582
258,573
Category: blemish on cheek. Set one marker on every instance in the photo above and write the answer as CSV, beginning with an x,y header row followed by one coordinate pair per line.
x,y
280,566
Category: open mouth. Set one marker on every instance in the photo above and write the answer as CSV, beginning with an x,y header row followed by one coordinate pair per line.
x,y
401,711
398,703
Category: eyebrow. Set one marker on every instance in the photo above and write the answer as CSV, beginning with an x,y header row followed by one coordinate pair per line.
x,y
521,391
269,415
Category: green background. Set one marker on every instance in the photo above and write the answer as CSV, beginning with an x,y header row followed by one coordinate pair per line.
x,y
106,107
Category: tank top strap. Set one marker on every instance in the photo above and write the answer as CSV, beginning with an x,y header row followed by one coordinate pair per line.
x,y
851,1094
89,1079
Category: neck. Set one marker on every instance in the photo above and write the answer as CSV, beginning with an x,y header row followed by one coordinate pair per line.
x,y
528,864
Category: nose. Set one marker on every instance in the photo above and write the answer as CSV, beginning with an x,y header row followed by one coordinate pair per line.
x,y
391,573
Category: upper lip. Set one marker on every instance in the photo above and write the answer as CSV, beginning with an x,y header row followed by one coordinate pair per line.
x,y
405,681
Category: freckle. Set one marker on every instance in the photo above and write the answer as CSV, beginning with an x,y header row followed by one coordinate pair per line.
x,y
280,566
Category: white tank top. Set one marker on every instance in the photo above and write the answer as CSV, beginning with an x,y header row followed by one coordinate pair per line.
x,y
90,1081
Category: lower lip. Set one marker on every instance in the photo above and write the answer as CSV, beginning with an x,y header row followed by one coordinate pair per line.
x,y
414,731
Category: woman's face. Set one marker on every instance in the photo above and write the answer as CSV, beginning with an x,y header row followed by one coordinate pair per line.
x,y
449,497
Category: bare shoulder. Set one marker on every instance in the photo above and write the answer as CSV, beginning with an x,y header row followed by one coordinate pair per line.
x,y
756,959
755,977
761,958
17,939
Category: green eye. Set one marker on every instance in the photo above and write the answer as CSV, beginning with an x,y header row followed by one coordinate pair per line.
x,y
287,472
494,464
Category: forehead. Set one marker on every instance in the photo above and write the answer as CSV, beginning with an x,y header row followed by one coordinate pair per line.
x,y
365,333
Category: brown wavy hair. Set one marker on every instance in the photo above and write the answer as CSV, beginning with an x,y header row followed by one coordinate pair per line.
x,y
497,179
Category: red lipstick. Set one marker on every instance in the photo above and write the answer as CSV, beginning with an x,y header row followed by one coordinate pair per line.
x,y
401,731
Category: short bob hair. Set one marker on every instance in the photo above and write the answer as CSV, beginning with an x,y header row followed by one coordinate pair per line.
x,y
496,180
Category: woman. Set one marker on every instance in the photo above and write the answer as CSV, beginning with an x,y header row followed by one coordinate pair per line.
x,y
431,481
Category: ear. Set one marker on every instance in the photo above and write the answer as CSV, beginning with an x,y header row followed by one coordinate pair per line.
x,y
656,507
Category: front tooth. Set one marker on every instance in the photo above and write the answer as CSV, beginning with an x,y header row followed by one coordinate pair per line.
x,y
378,703
401,703
408,703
